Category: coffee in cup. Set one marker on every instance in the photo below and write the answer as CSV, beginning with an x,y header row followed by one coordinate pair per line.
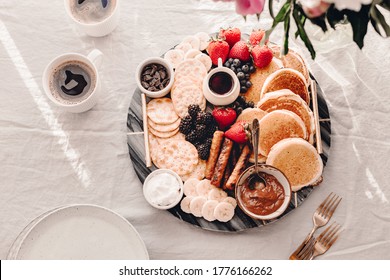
x,y
71,81
95,17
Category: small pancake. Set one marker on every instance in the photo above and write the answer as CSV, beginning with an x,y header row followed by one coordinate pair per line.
x,y
292,60
161,111
257,79
160,134
286,78
286,99
249,114
298,160
278,125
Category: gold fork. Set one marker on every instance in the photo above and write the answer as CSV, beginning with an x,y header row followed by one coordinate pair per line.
x,y
324,212
321,217
326,239
304,250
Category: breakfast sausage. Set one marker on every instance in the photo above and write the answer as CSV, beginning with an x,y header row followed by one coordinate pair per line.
x,y
214,152
222,162
238,169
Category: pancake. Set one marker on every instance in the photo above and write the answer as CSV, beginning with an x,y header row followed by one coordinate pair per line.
x,y
248,115
298,160
278,125
286,99
286,78
257,79
292,60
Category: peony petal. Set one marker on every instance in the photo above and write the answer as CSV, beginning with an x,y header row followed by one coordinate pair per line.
x,y
249,7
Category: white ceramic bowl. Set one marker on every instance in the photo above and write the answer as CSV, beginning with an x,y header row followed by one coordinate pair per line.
x,y
171,74
148,193
268,169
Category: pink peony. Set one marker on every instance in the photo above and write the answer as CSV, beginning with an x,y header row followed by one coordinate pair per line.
x,y
249,7
314,8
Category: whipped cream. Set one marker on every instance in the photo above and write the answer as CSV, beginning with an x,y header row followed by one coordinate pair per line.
x,y
162,189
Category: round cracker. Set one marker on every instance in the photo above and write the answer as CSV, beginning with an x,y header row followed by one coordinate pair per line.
x,y
161,111
163,134
184,96
179,156
191,67
198,173
164,127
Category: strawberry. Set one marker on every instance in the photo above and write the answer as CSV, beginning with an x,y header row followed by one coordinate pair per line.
x,y
238,132
262,56
224,116
240,50
231,35
218,49
256,36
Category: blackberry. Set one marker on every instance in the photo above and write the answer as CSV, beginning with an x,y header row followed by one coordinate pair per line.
x,y
193,110
210,129
203,151
185,126
192,137
209,119
201,118
208,142
251,104
200,131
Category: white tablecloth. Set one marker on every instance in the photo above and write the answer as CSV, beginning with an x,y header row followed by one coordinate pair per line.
x,y
51,158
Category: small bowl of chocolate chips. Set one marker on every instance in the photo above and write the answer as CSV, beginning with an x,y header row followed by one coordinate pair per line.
x,y
155,77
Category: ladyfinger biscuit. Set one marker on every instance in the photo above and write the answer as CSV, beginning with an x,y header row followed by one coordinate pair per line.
x,y
214,152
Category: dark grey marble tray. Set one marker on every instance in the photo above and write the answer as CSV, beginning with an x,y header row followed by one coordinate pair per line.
x,y
240,220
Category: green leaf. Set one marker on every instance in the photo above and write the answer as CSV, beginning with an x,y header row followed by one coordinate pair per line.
x,y
271,8
303,34
377,20
283,13
359,21
286,35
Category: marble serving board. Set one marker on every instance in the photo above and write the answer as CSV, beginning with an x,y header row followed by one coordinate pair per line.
x,y
240,220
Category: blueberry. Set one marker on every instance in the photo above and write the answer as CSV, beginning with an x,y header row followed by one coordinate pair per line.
x,y
230,60
248,84
247,76
243,89
233,69
236,62
239,110
240,75
245,68
252,69
227,64
240,99
239,69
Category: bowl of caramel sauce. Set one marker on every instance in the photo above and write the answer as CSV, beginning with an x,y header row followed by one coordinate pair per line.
x,y
263,201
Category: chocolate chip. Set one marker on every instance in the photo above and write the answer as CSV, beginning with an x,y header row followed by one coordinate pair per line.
x,y
154,77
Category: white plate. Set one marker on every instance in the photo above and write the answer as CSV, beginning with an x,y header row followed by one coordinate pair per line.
x,y
82,232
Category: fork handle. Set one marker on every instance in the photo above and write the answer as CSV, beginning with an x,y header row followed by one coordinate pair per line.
x,y
310,235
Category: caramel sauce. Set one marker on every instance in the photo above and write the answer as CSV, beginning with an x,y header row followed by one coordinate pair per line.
x,y
260,199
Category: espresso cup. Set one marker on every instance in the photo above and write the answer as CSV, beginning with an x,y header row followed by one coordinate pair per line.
x,y
71,81
96,18
221,86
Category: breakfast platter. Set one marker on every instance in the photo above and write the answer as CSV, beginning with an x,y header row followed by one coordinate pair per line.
x,y
195,120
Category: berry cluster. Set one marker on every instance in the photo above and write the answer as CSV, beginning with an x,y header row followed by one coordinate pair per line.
x,y
243,70
198,128
240,104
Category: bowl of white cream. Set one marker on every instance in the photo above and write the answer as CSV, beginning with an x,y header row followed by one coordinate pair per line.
x,y
163,189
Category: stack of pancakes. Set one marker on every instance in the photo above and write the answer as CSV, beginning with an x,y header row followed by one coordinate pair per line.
x,y
286,121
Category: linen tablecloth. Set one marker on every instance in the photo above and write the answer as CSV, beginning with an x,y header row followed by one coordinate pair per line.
x,y
50,158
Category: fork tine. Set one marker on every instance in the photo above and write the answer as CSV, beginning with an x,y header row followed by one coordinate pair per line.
x,y
333,233
320,208
328,234
332,206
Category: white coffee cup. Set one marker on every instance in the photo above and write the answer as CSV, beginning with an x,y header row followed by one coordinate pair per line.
x,y
93,20
230,80
71,81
